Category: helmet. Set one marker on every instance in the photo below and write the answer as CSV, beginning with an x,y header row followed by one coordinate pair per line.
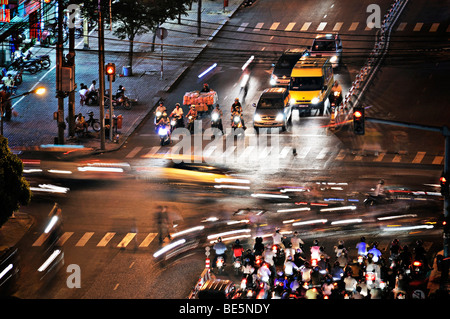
x,y
315,242
381,181
219,239
193,106
164,114
237,241
206,84
178,104
121,87
236,99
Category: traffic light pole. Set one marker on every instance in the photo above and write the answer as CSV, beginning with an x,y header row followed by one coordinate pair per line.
x,y
445,131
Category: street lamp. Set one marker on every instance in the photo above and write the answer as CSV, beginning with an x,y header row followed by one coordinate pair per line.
x,y
38,91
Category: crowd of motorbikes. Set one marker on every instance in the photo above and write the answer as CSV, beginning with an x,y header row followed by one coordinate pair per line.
x,y
29,63
402,275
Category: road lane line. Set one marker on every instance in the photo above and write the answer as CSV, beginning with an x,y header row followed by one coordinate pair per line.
x,y
148,240
84,239
304,152
322,153
285,151
126,240
105,240
419,157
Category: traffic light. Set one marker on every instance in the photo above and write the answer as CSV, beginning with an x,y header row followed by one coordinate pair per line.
x,y
444,181
358,121
110,70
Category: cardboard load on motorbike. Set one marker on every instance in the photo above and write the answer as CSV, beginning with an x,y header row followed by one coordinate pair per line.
x,y
202,100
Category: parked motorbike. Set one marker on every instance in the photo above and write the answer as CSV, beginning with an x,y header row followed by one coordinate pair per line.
x,y
164,134
122,100
93,122
20,64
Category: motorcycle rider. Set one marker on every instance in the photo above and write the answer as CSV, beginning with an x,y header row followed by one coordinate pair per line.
x,y
177,113
219,113
236,108
362,247
237,250
159,111
120,93
205,88
336,93
379,189
315,250
374,252
220,249
193,114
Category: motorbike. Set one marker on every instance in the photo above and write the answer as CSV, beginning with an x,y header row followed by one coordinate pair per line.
x,y
164,134
280,255
335,99
372,200
216,121
190,125
220,264
93,122
176,122
20,64
237,265
121,100
236,120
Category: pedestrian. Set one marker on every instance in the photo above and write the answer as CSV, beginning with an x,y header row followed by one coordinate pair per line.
x,y
163,223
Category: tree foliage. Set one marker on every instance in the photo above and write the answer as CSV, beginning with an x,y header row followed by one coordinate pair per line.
x,y
14,189
135,17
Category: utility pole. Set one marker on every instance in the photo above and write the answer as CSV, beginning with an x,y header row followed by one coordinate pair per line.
x,y
71,109
59,65
101,75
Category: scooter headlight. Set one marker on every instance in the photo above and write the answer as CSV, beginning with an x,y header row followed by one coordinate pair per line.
x,y
158,114
162,131
257,117
334,59
315,100
273,79
215,116
236,119
173,122
292,101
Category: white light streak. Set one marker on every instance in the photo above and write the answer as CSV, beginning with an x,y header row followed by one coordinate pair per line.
x,y
5,271
207,70
50,225
397,216
49,260
231,232
293,210
169,247
189,230
247,63
347,221
331,209
309,222
408,227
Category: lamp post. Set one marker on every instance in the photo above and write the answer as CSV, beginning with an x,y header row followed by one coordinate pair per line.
x,y
38,91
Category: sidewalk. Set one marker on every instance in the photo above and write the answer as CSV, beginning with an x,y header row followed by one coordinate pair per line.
x,y
35,125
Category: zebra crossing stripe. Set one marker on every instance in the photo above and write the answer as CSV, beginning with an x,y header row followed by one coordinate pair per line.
x,y
321,26
380,157
64,238
134,152
434,27
274,25
84,239
305,26
418,26
338,26
438,160
304,152
243,26
401,26
152,151
323,153
148,240
40,240
126,240
258,26
419,157
105,240
290,26
341,155
397,158
353,26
